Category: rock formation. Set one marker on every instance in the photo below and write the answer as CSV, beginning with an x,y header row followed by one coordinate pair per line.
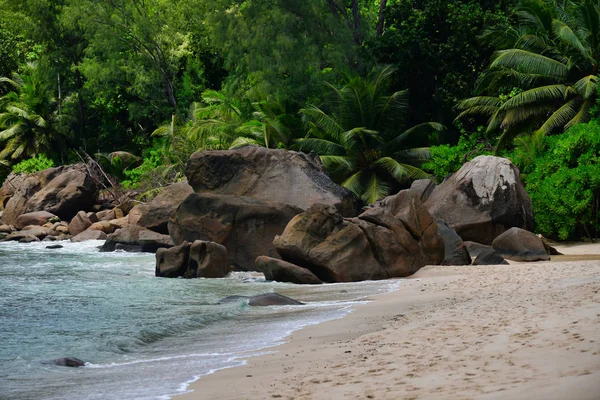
x,y
520,245
288,177
482,200
392,239
245,226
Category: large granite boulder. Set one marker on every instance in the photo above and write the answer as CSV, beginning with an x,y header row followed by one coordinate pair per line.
x,y
423,188
392,239
81,221
456,252
135,238
89,234
172,262
193,260
34,218
207,260
245,226
520,245
283,271
156,215
272,175
62,191
482,200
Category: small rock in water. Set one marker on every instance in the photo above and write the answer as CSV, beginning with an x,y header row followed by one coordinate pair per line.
x,y
69,362
272,299
54,246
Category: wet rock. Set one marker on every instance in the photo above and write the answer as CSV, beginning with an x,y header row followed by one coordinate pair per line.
x,y
173,262
69,362
54,246
207,260
272,299
283,271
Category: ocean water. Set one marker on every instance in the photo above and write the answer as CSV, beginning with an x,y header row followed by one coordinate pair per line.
x,y
142,337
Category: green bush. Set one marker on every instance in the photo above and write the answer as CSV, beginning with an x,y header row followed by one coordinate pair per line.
x,y
33,164
446,160
564,184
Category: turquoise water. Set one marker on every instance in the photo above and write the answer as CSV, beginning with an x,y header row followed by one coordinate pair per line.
x,y
142,337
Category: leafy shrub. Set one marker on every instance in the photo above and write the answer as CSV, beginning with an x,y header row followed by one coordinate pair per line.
x,y
446,160
156,170
564,184
33,164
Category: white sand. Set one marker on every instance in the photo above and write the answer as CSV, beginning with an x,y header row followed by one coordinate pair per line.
x,y
520,331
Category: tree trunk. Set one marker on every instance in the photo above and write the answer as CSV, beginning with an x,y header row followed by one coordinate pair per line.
x,y
356,17
382,5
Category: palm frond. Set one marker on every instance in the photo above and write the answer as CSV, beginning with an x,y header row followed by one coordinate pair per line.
x,y
355,184
566,34
531,63
325,122
10,132
343,163
583,115
479,101
424,128
416,154
245,141
320,146
375,189
561,116
587,86
537,95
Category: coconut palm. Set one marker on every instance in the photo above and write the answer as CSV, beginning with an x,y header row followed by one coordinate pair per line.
x,y
551,58
25,116
274,125
362,140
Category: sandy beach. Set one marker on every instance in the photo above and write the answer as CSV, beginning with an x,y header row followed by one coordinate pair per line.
x,y
519,331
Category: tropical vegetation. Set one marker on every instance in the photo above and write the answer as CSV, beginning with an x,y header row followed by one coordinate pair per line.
x,y
141,85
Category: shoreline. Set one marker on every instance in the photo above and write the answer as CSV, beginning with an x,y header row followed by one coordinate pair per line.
x,y
446,332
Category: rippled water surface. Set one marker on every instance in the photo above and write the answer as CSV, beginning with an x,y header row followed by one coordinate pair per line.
x,y
143,337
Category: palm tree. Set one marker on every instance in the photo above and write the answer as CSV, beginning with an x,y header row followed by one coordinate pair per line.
x,y
551,58
275,125
25,117
362,141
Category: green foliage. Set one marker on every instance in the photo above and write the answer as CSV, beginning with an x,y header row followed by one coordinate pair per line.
x,y
446,159
33,164
27,114
434,46
552,56
564,183
363,141
157,169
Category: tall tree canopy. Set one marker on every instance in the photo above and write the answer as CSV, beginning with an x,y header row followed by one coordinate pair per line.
x,y
545,76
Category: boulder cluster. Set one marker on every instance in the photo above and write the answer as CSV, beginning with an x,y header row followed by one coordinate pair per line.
x,y
277,212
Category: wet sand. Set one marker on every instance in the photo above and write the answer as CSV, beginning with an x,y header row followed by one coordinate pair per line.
x,y
519,331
